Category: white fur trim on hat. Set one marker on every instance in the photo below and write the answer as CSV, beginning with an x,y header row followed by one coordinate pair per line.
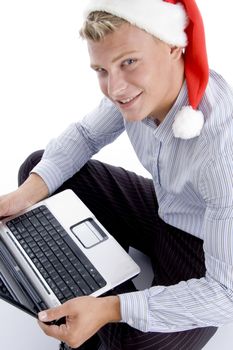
x,y
164,20
188,123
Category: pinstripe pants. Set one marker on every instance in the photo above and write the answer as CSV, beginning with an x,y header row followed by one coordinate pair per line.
x,y
126,205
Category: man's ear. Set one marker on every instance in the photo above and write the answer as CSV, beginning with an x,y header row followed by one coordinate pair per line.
x,y
176,52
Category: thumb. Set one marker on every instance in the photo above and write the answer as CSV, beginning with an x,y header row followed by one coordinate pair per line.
x,y
53,314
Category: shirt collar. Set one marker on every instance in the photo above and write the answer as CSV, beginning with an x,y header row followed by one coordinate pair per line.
x,y
163,132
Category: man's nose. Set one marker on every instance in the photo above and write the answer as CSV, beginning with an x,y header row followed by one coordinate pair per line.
x,y
116,85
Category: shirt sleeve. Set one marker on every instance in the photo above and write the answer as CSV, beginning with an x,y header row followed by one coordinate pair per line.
x,y
203,302
66,154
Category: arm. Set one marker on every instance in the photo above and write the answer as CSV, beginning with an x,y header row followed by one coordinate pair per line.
x,y
203,302
65,155
30,192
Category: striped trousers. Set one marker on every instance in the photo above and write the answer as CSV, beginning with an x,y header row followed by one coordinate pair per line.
x,y
126,205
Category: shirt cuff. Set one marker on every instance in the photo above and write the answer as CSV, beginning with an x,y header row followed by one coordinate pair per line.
x,y
51,175
134,309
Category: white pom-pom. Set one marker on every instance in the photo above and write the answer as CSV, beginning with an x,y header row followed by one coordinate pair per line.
x,y
188,123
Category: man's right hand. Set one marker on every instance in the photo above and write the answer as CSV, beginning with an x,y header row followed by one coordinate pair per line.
x,y
30,192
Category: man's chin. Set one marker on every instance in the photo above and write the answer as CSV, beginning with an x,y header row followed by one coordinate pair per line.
x,y
132,117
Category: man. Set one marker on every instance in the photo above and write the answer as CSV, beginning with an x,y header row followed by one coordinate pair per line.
x,y
151,63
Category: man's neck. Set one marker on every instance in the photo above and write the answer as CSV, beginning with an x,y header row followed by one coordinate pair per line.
x,y
177,84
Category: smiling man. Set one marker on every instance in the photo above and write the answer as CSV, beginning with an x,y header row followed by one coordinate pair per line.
x,y
151,63
140,74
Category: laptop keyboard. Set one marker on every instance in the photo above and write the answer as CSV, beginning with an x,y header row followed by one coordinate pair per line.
x,y
65,268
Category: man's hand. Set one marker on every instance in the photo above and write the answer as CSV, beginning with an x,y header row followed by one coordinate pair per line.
x,y
84,317
29,193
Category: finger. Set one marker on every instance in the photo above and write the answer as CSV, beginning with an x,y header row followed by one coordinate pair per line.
x,y
53,314
57,332
61,333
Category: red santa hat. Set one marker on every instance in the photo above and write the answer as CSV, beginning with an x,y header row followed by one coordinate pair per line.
x,y
178,23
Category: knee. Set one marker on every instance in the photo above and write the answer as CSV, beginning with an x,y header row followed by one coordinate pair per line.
x,y
29,163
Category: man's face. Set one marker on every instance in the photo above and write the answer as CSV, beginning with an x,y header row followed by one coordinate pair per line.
x,y
136,71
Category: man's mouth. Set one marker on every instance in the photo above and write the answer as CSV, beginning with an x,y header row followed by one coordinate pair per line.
x,y
128,101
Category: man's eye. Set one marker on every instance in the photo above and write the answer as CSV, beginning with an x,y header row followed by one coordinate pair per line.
x,y
129,62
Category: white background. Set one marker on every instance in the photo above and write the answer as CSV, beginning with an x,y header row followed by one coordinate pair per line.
x,y
45,84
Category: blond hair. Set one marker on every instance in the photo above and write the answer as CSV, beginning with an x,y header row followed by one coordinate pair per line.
x,y
98,24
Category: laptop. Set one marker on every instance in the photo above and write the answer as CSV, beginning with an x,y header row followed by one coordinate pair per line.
x,y
57,250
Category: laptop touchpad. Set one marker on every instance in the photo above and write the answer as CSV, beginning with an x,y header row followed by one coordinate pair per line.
x,y
89,233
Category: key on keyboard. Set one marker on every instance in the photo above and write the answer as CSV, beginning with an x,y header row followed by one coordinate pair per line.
x,y
68,272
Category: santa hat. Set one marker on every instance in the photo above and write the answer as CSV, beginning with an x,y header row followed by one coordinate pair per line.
x,y
178,23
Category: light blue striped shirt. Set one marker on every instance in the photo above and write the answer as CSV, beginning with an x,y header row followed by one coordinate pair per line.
x,y
193,181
